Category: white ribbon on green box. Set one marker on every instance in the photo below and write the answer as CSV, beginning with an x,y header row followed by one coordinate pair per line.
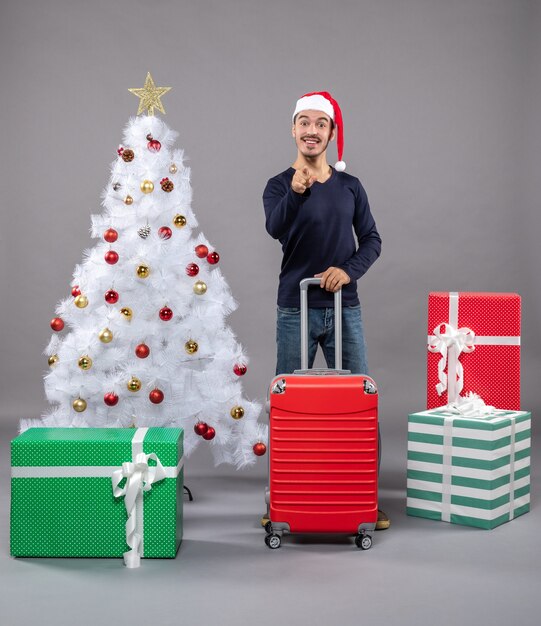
x,y
470,406
139,475
446,473
450,341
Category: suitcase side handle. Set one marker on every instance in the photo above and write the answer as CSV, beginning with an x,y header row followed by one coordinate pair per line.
x,y
304,284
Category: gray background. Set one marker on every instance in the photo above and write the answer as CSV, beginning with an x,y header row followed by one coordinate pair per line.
x,y
440,102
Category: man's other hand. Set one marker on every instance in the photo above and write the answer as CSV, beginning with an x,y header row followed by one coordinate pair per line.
x,y
333,279
302,180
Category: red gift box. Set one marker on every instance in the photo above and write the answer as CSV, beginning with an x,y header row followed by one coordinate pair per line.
x,y
474,345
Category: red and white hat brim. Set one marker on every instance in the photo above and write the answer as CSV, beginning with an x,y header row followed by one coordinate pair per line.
x,y
314,103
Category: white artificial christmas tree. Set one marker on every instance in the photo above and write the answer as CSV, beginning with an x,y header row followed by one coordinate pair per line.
x,y
143,341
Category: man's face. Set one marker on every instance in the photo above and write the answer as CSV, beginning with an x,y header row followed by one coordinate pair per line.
x,y
312,131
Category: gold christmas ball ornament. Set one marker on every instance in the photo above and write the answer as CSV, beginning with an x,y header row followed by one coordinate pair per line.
x,y
126,312
147,186
199,287
173,169
53,360
85,362
128,200
105,335
143,271
179,220
79,405
191,346
81,301
237,412
134,384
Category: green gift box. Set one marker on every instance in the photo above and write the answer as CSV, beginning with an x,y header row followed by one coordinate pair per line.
x,y
469,470
94,492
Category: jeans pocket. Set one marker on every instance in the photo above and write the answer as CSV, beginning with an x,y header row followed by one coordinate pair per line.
x,y
289,310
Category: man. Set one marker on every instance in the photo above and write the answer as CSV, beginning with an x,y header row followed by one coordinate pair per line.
x,y
313,209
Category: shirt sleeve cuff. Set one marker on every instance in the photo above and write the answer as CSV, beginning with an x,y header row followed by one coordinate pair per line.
x,y
297,199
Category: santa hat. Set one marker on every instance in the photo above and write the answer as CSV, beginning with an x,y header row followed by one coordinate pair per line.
x,y
323,101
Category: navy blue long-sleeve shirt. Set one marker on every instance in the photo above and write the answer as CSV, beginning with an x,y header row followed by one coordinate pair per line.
x,y
316,232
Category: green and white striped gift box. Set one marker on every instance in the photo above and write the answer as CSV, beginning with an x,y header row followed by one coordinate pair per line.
x,y
94,492
469,470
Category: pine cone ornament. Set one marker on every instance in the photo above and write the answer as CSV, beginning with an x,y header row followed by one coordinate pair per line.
x,y
167,185
128,155
144,231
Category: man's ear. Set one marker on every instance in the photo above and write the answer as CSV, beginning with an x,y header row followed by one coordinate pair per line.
x,y
293,130
333,133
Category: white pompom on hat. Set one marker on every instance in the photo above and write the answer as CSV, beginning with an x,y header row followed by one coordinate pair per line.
x,y
323,101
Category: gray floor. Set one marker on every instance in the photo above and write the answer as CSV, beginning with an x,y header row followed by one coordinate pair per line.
x,y
417,572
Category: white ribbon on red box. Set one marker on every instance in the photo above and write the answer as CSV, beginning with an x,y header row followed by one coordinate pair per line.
x,y
450,341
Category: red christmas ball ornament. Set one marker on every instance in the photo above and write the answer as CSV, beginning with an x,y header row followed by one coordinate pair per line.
x,y
156,396
154,145
259,448
110,399
239,369
57,324
192,269
200,428
166,314
120,150
111,296
142,351
110,235
209,434
213,258
111,257
75,291
201,251
165,232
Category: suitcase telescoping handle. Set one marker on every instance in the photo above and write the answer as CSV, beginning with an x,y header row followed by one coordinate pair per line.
x,y
304,284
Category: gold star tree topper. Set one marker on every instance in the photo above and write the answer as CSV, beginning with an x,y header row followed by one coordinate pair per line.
x,y
150,96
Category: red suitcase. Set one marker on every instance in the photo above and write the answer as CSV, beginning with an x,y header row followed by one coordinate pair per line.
x,y
323,447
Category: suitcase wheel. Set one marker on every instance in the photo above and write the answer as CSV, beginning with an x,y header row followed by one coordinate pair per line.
x,y
273,541
268,527
364,542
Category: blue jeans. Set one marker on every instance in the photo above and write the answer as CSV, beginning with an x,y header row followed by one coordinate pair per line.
x,y
320,332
